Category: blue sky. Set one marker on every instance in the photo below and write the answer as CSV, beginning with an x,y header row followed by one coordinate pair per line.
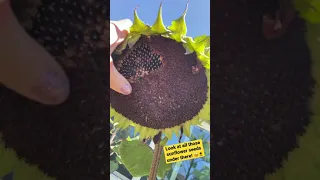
x,y
198,15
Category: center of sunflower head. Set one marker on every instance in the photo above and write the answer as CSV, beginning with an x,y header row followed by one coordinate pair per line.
x,y
169,88
139,62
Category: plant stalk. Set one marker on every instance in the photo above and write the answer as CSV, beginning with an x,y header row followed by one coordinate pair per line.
x,y
156,157
155,161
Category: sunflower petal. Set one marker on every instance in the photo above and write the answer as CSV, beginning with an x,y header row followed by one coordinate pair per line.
x,y
121,122
176,130
154,132
136,130
168,132
126,125
142,132
186,129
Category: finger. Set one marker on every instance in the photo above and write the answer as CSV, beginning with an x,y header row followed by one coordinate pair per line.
x,y
27,68
118,32
117,82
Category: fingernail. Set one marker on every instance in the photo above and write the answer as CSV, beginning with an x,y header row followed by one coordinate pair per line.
x,y
52,89
126,89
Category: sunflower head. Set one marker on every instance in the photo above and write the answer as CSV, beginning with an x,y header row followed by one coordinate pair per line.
x,y
169,74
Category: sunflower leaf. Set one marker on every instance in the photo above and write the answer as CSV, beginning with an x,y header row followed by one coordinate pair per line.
x,y
137,158
178,27
158,26
113,166
116,149
118,158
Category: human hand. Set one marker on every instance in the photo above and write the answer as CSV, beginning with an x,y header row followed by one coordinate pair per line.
x,y
26,67
118,32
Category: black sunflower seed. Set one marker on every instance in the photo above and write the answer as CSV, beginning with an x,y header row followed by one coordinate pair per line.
x,y
165,91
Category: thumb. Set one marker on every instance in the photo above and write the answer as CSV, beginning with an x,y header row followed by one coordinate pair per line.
x,y
118,82
118,32
25,66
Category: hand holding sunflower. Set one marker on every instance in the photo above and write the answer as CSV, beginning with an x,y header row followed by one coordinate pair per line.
x,y
28,69
25,66
118,32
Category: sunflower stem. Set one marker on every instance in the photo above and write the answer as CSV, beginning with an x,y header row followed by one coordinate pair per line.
x,y
156,157
155,161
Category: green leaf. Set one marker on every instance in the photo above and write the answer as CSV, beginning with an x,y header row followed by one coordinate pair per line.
x,y
158,26
178,27
113,166
118,158
115,149
137,158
